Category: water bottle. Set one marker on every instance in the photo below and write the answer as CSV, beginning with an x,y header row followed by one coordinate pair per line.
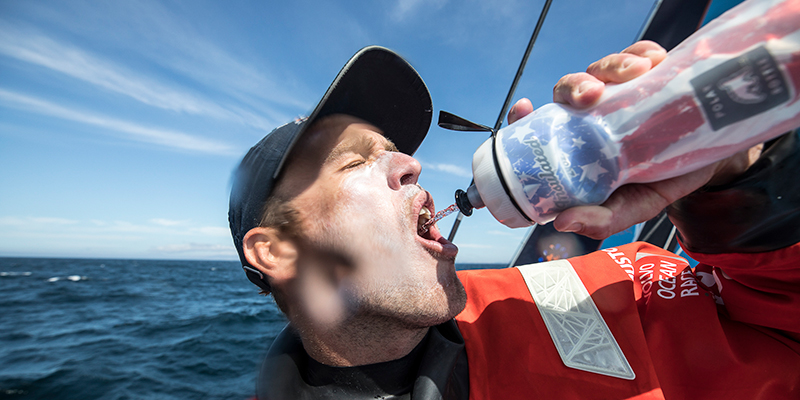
x,y
731,85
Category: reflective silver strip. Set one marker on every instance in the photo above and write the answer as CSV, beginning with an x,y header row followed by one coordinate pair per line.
x,y
578,330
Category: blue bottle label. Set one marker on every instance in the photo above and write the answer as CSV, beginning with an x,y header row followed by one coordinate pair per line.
x,y
560,160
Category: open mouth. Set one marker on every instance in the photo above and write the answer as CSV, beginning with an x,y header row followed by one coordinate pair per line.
x,y
426,228
425,215
430,238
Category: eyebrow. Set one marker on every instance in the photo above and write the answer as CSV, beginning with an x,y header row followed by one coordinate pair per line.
x,y
361,144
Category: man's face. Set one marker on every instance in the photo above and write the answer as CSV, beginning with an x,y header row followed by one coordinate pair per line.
x,y
359,206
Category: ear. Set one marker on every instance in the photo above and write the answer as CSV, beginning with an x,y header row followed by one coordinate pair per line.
x,y
271,253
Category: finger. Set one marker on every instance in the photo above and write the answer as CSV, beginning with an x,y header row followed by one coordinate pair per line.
x,y
592,221
627,206
579,90
520,109
647,49
618,68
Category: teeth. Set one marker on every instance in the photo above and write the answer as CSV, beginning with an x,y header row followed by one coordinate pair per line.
x,y
424,215
425,211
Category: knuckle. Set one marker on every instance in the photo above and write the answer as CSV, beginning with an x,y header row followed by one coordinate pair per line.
x,y
641,47
563,85
603,65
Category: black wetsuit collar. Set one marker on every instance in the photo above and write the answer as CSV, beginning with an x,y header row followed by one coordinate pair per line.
x,y
394,377
435,369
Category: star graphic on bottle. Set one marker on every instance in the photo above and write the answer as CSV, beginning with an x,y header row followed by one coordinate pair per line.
x,y
578,142
592,171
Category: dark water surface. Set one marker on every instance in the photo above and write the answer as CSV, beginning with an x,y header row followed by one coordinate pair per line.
x,y
131,329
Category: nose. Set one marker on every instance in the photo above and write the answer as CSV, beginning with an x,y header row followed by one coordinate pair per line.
x,y
403,170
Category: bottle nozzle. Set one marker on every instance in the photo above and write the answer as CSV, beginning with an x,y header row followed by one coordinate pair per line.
x,y
463,202
469,200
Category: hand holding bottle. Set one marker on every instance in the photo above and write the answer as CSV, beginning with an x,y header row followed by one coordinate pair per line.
x,y
637,202
726,88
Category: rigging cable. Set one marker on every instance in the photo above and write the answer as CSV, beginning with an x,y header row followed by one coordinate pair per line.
x,y
509,97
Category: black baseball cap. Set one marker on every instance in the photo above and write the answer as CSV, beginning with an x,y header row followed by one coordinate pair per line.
x,y
377,86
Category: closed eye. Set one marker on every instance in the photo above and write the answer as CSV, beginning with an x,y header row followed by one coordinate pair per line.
x,y
354,164
353,154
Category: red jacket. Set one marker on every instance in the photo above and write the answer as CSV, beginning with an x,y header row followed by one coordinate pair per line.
x,y
725,332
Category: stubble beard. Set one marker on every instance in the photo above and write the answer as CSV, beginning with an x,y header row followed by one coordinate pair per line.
x,y
402,287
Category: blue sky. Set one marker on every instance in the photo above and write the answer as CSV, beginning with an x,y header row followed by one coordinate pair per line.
x,y
121,121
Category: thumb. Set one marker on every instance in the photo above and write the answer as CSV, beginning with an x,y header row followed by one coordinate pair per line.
x,y
520,109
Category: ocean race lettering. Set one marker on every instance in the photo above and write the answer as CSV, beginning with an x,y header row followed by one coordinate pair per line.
x,y
661,276
666,279
646,279
548,173
688,284
619,258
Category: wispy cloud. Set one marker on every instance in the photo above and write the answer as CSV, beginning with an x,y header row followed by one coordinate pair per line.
x,y
447,168
154,225
64,236
405,9
163,137
55,221
173,42
19,221
167,222
187,225
35,48
213,231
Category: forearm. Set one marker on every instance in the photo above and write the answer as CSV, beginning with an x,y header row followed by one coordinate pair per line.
x,y
757,212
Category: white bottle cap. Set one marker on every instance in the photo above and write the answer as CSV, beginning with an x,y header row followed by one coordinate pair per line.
x,y
491,189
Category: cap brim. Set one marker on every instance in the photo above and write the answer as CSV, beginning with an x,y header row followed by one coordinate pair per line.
x,y
380,87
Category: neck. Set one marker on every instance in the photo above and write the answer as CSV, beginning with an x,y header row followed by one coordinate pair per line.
x,y
360,342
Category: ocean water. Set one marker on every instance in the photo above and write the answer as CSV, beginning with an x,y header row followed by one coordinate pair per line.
x,y
132,329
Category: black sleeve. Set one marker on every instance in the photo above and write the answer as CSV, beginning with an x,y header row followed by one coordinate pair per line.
x,y
758,212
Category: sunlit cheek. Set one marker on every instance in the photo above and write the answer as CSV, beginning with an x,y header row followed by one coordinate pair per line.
x,y
367,201
376,217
